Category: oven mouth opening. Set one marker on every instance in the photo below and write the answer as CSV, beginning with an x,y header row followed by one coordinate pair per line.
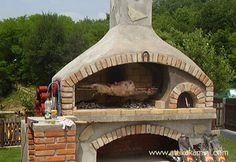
x,y
135,85
137,147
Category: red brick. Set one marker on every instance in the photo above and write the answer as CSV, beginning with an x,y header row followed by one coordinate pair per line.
x,y
30,131
74,78
49,140
65,152
61,139
69,81
30,136
118,59
79,76
61,152
172,106
181,88
55,134
31,152
174,96
40,147
70,157
64,83
71,151
38,134
56,146
103,63
44,140
203,76
39,159
173,62
31,147
67,112
199,74
71,133
197,91
71,139
182,66
178,63
173,101
31,158
31,142
71,145
98,65
66,107
39,140
193,88
56,158
211,89
44,152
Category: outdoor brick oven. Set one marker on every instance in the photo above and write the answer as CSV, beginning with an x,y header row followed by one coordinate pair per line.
x,y
173,97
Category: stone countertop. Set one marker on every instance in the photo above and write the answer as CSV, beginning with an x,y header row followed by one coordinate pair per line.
x,y
123,115
40,124
151,114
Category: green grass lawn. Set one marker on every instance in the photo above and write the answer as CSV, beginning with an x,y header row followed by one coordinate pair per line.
x,y
10,155
229,146
14,154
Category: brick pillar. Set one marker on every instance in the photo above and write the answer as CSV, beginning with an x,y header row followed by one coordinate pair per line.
x,y
31,149
52,144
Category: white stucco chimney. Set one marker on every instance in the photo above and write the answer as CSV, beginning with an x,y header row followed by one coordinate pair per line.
x,y
131,12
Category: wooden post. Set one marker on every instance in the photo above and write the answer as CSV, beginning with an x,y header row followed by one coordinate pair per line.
x,y
223,111
1,132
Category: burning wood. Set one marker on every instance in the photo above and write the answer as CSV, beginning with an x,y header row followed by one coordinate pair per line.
x,y
122,89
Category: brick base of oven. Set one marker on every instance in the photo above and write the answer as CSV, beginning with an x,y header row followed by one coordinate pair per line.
x,y
47,141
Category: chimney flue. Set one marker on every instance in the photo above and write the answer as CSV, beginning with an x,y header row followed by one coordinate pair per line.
x,y
131,12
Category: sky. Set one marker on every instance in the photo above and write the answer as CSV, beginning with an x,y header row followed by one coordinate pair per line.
x,y
76,9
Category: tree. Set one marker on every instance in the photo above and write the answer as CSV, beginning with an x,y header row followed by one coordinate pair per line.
x,y
198,47
218,14
12,33
91,31
180,23
232,56
217,67
6,83
33,48
43,50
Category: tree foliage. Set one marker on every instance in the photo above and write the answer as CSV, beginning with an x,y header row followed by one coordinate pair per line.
x,y
5,79
33,48
204,30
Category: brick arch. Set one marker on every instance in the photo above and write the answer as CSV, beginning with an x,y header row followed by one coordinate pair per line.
x,y
196,92
145,57
135,130
120,59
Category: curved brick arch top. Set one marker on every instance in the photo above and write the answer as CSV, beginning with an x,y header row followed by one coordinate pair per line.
x,y
135,130
144,57
196,92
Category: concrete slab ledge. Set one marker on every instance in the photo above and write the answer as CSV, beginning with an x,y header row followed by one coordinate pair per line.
x,y
152,114
39,124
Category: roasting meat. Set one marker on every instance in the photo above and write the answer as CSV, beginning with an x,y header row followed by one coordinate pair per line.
x,y
122,89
